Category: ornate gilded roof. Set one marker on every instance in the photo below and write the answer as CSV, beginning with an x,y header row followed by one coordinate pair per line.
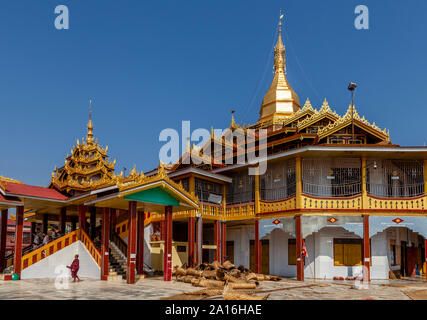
x,y
347,119
87,168
325,111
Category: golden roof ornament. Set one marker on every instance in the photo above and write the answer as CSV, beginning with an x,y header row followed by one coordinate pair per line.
x,y
280,101
90,125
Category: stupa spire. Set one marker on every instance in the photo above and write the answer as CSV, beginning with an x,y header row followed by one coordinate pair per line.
x,y
90,125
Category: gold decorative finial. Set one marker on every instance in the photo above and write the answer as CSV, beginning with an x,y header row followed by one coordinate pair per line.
x,y
280,101
279,50
90,125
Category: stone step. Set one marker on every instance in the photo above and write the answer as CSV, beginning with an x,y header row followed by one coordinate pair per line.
x,y
114,278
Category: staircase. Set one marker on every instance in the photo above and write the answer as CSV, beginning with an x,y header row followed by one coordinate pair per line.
x,y
116,264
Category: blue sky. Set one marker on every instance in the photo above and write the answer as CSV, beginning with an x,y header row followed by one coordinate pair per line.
x,y
148,65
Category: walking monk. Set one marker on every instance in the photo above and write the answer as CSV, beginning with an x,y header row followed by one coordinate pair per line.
x,y
75,268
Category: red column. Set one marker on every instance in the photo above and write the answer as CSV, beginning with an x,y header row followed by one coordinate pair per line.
x,y
257,253
113,220
131,263
3,232
18,239
45,223
82,217
140,246
366,250
223,241
425,255
299,246
217,236
73,223
92,222
62,220
105,242
191,235
167,263
162,230
199,240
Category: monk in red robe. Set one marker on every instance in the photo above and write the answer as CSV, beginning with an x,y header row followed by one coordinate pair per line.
x,y
75,268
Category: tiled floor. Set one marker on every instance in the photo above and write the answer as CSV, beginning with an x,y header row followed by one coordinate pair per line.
x,y
156,288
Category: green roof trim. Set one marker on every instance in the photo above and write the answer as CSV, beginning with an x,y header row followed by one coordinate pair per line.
x,y
155,195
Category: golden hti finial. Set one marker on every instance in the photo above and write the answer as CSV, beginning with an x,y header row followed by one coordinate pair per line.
x,y
279,50
90,125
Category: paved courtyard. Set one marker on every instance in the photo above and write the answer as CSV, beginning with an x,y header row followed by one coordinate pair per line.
x,y
156,288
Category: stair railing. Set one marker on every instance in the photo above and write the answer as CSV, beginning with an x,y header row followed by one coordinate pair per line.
x,y
90,246
49,249
119,242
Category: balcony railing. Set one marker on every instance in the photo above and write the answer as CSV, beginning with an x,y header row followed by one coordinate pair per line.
x,y
240,197
332,190
274,194
396,191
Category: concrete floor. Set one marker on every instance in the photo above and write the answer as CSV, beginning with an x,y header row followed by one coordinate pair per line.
x,y
156,288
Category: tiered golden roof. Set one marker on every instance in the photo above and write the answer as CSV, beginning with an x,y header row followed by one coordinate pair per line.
x,y
87,168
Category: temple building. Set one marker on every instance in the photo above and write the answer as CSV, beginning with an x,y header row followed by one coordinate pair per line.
x,y
338,200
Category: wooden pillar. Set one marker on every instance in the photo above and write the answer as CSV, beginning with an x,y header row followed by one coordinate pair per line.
x,y
217,240
105,243
257,247
62,220
131,263
364,185
162,230
140,245
18,240
366,250
113,220
167,262
92,222
298,191
191,236
223,241
45,223
3,233
425,256
199,240
73,223
299,246
82,217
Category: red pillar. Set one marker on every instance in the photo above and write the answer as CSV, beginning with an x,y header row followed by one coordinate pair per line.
x,y
257,253
217,236
18,239
82,217
191,235
223,241
366,250
199,240
299,246
113,220
45,223
140,246
73,223
131,263
92,222
425,255
62,220
3,232
167,263
105,243
162,230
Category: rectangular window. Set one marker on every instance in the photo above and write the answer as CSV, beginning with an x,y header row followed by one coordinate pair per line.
x,y
292,252
348,252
